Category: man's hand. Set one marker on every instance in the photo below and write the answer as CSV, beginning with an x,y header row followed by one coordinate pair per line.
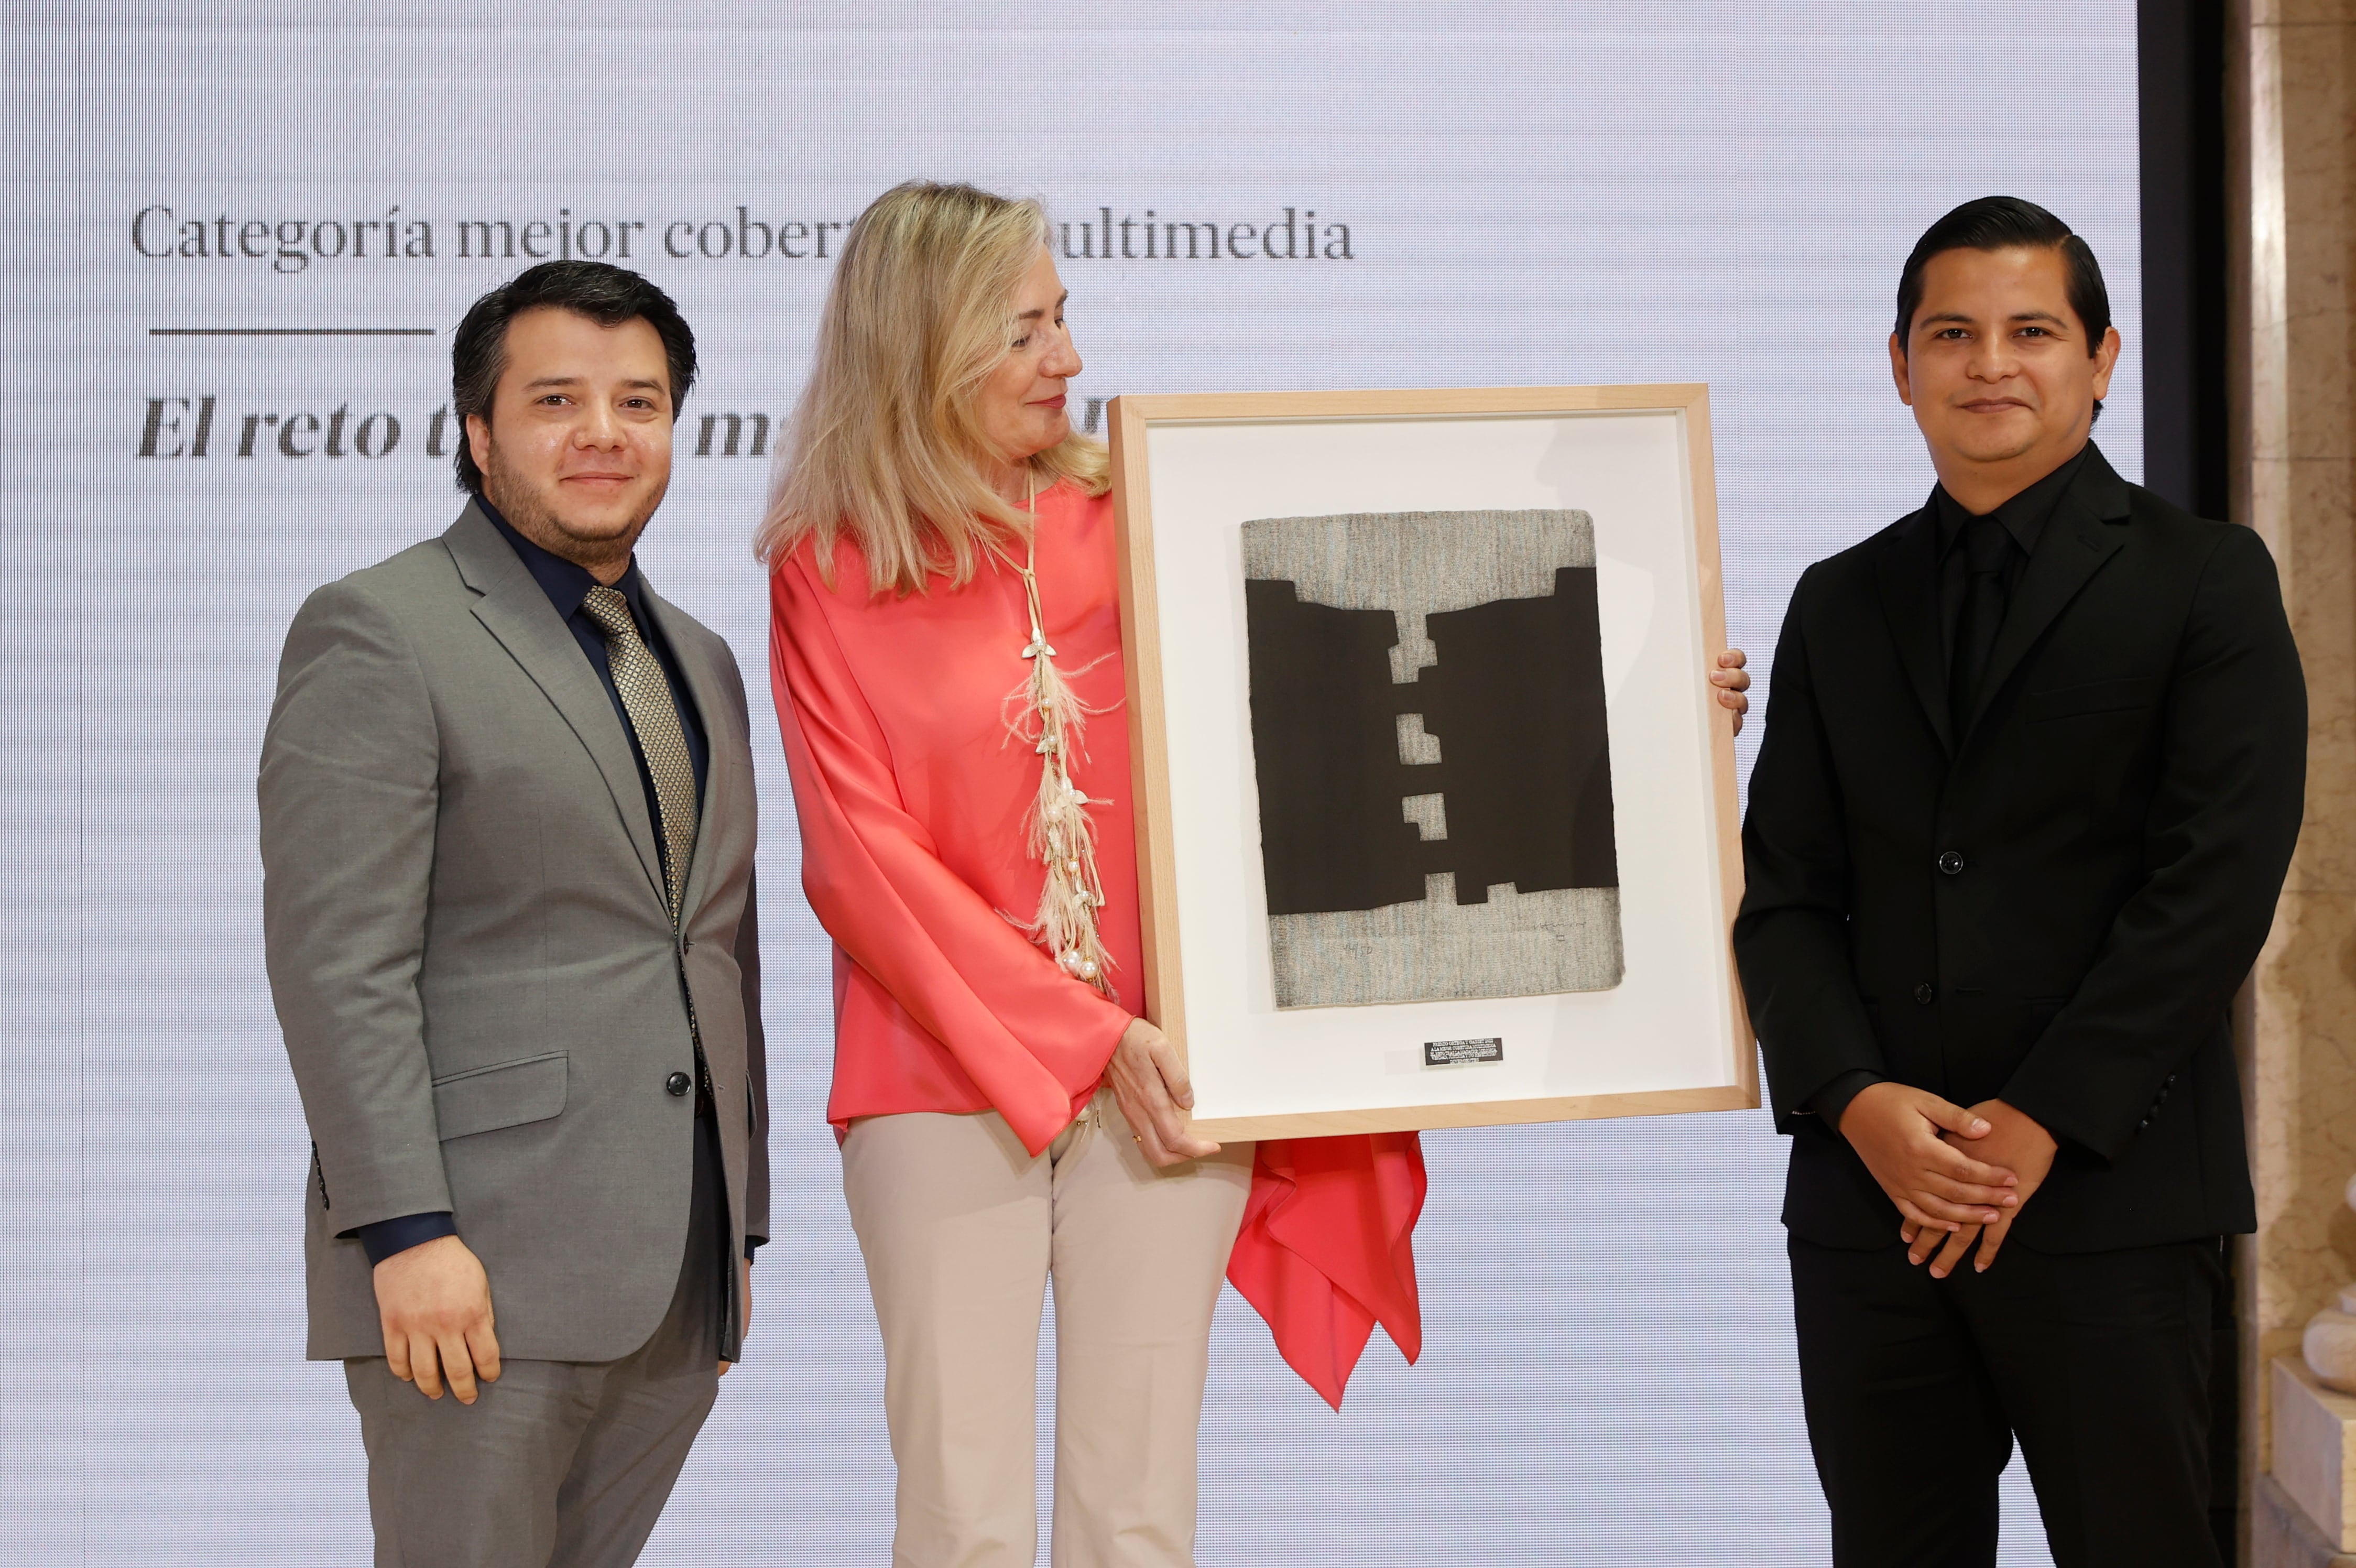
x,y
1732,681
2027,1149
1152,1086
435,1302
1898,1131
747,1325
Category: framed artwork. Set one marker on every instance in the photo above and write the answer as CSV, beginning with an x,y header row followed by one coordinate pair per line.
x,y
1436,818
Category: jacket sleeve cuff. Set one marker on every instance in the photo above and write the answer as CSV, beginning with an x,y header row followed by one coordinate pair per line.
x,y
1828,1104
752,1243
386,1237
2107,1139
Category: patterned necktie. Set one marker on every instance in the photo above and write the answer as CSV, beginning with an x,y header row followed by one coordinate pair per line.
x,y
647,698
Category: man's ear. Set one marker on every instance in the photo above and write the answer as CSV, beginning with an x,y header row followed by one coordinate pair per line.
x,y
2106,359
1897,371
478,441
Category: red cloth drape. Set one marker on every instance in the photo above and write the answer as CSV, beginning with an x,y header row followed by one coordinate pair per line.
x,y
1327,1249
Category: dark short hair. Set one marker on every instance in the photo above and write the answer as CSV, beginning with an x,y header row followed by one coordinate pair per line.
x,y
608,295
2005,223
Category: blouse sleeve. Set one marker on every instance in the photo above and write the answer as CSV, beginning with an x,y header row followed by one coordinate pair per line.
x,y
876,882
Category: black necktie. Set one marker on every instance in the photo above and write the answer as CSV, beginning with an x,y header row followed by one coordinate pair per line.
x,y
1987,549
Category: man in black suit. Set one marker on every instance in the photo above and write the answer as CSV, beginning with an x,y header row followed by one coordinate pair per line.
x,y
2031,781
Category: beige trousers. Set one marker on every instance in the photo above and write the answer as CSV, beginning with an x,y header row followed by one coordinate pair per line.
x,y
962,1227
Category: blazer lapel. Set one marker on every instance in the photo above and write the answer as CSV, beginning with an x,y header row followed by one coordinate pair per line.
x,y
710,693
2075,546
513,609
1906,568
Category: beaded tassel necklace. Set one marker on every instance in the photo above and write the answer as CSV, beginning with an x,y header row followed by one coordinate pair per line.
x,y
1060,835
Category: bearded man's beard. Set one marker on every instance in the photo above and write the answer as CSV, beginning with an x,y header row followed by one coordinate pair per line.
x,y
520,504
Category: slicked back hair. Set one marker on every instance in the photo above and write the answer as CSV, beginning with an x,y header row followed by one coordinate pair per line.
x,y
608,295
2005,223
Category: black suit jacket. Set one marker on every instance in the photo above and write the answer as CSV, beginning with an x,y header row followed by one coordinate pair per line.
x,y
2054,907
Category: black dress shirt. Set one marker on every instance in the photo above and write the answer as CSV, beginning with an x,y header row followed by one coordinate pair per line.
x,y
2024,518
567,586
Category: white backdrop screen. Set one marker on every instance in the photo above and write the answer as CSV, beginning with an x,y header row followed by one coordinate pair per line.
x,y
1378,194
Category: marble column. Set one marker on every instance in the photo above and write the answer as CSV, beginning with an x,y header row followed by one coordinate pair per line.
x,y
2292,165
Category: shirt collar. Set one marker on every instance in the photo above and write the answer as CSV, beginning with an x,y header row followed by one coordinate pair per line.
x,y
566,583
2024,516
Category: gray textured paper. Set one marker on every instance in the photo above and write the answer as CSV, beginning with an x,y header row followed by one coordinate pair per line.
x,y
1517,944
1416,564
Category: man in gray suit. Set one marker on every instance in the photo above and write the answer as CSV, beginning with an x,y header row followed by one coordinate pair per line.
x,y
507,826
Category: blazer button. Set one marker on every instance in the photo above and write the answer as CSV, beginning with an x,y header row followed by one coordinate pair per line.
x,y
1924,993
1952,863
678,1083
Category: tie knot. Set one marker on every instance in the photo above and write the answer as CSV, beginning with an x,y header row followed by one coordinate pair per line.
x,y
1987,543
609,610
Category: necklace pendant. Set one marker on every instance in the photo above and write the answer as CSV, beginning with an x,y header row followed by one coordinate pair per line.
x,y
1062,836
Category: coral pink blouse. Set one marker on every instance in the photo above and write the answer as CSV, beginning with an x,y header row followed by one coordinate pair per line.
x,y
912,796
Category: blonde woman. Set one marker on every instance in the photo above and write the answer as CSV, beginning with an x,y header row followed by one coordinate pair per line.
x,y
946,662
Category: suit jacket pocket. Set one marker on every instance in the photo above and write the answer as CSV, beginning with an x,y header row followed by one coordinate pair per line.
x,y
505,1094
2092,697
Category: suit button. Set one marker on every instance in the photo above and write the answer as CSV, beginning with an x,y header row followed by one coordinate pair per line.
x,y
1952,863
1924,993
2145,1122
678,1083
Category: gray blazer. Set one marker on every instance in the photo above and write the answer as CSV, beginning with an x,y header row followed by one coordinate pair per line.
x,y
472,957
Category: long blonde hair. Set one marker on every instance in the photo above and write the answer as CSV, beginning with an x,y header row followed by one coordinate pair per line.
x,y
885,443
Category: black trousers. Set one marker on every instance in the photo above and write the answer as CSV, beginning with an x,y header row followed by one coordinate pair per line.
x,y
2098,1362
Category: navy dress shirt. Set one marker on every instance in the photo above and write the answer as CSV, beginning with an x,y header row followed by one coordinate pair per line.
x,y
567,586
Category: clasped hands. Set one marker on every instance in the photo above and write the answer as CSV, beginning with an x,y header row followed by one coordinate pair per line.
x,y
1914,1142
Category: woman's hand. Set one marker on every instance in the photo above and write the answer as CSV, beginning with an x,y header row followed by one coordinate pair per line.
x,y
1732,681
1150,1084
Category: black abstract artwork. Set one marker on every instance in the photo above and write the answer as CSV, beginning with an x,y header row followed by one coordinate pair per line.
x,y
1432,758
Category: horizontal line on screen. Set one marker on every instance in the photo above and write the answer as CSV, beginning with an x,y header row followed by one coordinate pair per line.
x,y
290,331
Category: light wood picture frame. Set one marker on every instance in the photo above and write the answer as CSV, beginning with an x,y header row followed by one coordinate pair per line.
x,y
1632,464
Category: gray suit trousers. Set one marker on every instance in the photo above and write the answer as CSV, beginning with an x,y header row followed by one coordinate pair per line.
x,y
559,1464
